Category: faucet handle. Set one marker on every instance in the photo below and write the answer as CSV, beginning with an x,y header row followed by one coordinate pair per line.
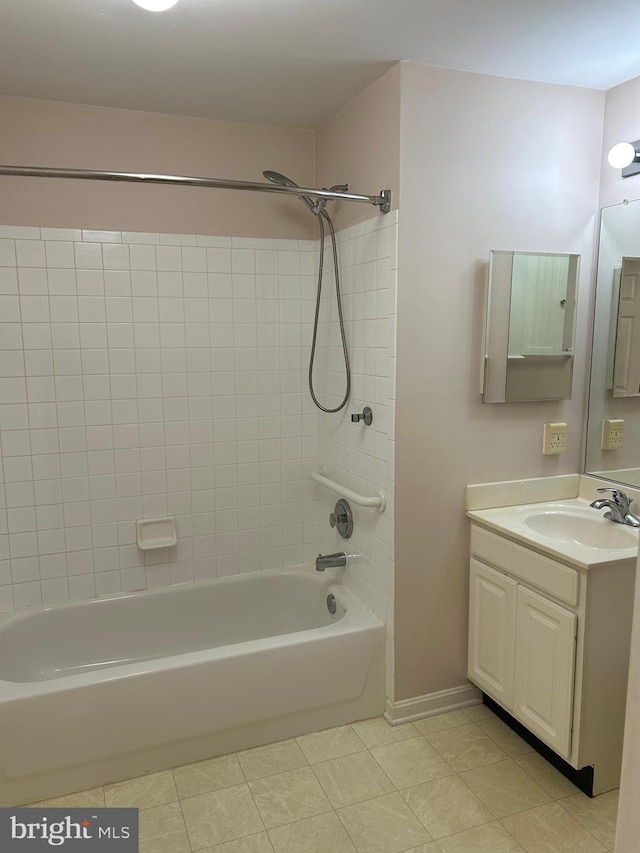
x,y
619,497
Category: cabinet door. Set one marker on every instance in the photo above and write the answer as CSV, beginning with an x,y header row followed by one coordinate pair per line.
x,y
492,615
545,661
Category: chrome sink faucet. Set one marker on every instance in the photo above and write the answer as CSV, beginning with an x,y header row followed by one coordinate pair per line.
x,y
618,508
330,561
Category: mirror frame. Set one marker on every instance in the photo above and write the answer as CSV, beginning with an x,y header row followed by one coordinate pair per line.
x,y
495,340
619,237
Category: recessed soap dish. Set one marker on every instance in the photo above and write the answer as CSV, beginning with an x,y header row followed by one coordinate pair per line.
x,y
156,533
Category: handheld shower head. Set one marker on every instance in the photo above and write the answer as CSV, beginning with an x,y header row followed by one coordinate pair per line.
x,y
278,178
318,209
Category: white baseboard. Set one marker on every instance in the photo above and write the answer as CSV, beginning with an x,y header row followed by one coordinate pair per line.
x,y
407,710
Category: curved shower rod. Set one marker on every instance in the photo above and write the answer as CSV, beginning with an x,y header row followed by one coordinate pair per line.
x,y
383,200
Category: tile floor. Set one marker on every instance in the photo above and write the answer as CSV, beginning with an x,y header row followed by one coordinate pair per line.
x,y
460,782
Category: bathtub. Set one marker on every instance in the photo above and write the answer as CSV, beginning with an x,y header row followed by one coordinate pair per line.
x,y
98,691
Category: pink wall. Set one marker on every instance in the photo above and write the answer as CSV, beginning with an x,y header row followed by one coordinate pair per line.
x,y
628,826
485,165
46,133
622,124
360,145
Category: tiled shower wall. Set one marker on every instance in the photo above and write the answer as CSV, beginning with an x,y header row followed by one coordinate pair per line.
x,y
358,456
144,375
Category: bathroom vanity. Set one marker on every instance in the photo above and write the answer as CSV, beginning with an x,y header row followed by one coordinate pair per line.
x,y
550,613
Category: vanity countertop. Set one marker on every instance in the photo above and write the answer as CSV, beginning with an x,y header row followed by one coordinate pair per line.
x,y
568,530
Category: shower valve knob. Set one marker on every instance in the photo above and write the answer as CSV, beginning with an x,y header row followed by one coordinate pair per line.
x,y
342,519
365,415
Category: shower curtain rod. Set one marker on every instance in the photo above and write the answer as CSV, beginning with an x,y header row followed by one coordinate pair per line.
x,y
383,201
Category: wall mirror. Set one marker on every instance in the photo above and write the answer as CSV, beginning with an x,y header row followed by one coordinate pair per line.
x,y
529,327
615,365
623,375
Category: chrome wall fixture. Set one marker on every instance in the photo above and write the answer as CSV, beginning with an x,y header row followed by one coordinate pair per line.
x,y
318,208
366,416
383,200
625,156
342,518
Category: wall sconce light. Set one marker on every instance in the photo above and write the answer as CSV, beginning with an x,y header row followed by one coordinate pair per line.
x,y
156,5
626,156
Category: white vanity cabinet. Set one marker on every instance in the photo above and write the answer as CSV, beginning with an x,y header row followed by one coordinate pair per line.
x,y
492,632
549,642
545,659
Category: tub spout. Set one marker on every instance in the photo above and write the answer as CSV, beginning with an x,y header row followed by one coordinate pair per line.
x,y
329,561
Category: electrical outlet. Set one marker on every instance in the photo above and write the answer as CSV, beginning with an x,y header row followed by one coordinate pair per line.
x,y
612,433
555,438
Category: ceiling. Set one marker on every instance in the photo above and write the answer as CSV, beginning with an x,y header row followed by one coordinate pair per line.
x,y
295,62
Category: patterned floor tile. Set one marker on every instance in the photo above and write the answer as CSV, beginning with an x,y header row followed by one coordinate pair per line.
x,y
505,788
445,806
290,796
352,778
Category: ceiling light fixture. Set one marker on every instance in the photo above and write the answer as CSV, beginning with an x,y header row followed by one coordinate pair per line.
x,y
156,5
626,156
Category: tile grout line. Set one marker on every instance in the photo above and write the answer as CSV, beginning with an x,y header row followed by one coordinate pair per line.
x,y
184,820
554,802
365,800
511,835
346,829
512,759
259,813
576,817
334,810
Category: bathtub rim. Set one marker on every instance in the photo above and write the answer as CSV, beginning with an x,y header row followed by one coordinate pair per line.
x,y
345,683
305,570
355,618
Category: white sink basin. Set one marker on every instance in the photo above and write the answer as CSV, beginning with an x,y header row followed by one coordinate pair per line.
x,y
579,527
569,529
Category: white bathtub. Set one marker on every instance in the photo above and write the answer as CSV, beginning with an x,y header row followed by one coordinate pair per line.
x,y
97,691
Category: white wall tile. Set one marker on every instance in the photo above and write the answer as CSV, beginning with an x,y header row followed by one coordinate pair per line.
x,y
140,237
356,455
88,256
145,374
115,256
102,236
30,253
65,234
59,254
20,232
25,594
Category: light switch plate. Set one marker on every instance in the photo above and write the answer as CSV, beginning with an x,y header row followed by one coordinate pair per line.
x,y
554,438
